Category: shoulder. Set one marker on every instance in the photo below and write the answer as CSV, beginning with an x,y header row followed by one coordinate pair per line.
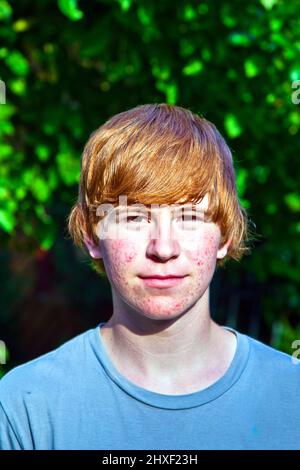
x,y
45,372
271,363
269,353
33,394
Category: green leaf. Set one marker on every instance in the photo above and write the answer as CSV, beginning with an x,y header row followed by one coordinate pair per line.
x,y
42,214
46,236
40,189
172,93
170,90
161,72
189,13
193,68
295,74
43,152
17,63
5,151
232,126
144,16
251,68
20,193
7,220
125,4
268,4
21,25
17,86
4,193
5,10
239,39
48,241
28,176
292,200
68,167
70,9
6,111
241,181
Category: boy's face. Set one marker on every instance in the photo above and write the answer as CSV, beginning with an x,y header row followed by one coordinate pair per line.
x,y
188,251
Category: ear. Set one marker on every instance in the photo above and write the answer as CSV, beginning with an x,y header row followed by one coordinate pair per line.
x,y
222,251
94,250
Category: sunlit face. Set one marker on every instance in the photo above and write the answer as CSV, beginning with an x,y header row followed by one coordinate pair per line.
x,y
162,242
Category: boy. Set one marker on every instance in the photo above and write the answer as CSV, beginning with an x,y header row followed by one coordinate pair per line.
x,y
157,211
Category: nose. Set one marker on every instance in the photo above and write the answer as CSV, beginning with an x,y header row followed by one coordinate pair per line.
x,y
163,244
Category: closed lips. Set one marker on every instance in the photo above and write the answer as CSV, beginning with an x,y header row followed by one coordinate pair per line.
x,y
157,276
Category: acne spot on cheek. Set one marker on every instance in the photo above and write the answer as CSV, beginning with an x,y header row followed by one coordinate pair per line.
x,y
202,257
129,256
199,257
123,250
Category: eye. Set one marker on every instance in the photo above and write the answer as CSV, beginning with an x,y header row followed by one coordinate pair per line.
x,y
136,219
192,217
188,217
190,221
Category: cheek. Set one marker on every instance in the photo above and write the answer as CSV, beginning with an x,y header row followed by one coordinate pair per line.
x,y
205,251
118,256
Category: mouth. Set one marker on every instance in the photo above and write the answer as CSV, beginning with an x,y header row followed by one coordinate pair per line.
x,y
162,282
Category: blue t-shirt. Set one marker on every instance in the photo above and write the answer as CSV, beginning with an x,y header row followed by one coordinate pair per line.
x,y
74,398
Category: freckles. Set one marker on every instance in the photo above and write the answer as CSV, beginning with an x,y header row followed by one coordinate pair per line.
x,y
119,254
203,258
129,256
203,255
211,242
200,257
122,251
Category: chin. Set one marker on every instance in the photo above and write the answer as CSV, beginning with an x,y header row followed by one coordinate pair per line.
x,y
162,311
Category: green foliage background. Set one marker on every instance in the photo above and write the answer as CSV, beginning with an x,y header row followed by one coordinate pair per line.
x,y
70,65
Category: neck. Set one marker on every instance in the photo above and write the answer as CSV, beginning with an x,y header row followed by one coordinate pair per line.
x,y
182,354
